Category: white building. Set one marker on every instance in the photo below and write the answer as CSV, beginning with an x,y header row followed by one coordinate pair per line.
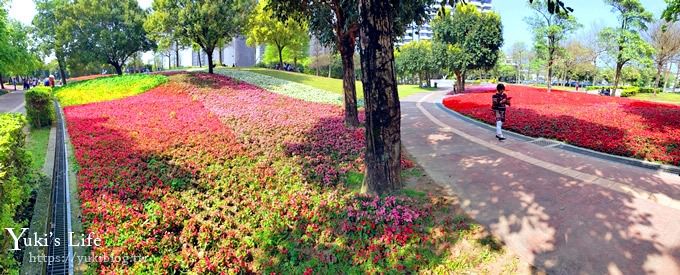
x,y
424,32
237,53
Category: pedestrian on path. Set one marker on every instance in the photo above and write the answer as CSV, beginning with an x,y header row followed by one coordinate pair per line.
x,y
51,80
499,102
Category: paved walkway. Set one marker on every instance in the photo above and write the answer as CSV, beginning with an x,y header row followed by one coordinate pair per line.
x,y
560,211
12,102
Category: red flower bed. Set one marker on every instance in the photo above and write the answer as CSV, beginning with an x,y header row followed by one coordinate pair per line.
x,y
208,175
612,125
87,77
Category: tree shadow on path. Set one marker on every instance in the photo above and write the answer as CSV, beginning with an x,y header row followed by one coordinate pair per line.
x,y
554,222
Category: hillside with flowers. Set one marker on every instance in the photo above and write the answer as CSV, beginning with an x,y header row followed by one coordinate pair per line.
x,y
208,174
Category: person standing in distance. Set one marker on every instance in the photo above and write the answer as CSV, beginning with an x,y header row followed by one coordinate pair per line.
x,y
499,102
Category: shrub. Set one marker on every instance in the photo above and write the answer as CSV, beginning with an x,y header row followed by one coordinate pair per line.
x,y
649,90
14,168
626,91
39,107
629,91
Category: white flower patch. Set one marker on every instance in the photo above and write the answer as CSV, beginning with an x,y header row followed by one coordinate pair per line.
x,y
285,87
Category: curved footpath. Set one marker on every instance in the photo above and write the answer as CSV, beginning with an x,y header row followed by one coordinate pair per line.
x,y
12,102
562,212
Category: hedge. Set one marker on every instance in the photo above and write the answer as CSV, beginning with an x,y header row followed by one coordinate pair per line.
x,y
627,91
14,180
39,107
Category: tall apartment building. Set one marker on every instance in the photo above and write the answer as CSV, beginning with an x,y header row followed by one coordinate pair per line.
x,y
236,53
424,32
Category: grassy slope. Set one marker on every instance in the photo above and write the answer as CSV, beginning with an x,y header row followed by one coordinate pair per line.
x,y
107,88
330,84
661,97
37,146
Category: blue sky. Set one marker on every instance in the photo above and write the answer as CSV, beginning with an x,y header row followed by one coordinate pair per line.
x,y
587,12
513,12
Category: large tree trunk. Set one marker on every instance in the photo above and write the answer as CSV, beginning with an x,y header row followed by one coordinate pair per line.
x,y
200,63
348,82
118,67
2,84
617,77
659,67
177,55
221,55
383,114
551,60
317,66
677,76
62,70
667,76
280,49
211,66
460,82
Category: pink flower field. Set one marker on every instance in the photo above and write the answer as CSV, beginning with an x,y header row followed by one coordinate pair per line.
x,y
204,174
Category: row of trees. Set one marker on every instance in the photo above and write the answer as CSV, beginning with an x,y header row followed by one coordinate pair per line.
x,y
638,40
555,54
465,40
17,55
89,33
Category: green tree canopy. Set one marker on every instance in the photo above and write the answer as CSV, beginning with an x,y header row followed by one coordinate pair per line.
x,y
416,58
672,11
623,43
550,29
336,24
265,28
467,39
205,23
24,60
52,27
109,31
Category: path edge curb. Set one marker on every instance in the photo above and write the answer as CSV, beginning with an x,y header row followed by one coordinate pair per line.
x,y
570,148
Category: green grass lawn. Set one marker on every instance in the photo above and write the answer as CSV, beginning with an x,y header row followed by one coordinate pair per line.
x,y
107,88
37,146
330,84
660,97
563,88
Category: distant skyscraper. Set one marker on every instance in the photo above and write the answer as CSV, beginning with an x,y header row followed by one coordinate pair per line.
x,y
424,32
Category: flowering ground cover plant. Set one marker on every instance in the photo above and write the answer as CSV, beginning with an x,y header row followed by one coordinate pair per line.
x,y
106,88
620,126
205,174
87,77
285,87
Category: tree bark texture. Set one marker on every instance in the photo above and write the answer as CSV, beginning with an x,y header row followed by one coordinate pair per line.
x,y
348,84
62,69
617,77
383,114
209,52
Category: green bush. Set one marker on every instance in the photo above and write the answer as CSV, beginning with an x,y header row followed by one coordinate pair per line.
x,y
39,107
631,91
626,91
649,90
14,180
